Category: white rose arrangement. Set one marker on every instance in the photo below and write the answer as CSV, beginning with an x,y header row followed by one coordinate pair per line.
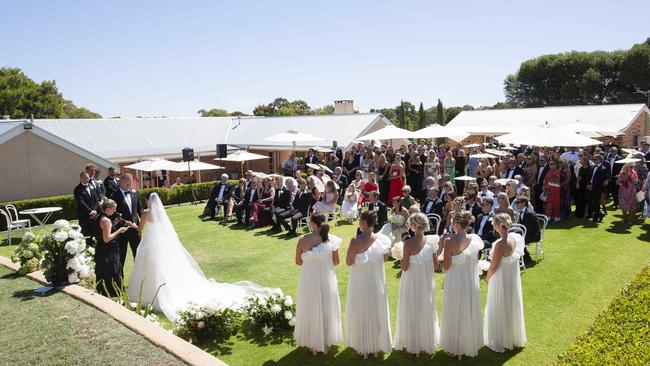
x,y
200,323
66,255
271,314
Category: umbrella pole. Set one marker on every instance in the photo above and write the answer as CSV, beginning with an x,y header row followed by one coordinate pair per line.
x,y
189,173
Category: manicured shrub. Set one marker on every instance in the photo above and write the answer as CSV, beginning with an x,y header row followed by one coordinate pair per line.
x,y
621,334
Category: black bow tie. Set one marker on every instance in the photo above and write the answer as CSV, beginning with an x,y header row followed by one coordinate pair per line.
x,y
127,193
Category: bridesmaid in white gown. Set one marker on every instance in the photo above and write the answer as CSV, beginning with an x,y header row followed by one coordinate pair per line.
x,y
504,326
417,318
462,330
318,310
367,321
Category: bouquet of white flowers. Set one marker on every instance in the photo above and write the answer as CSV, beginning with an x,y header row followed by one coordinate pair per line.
x,y
28,253
201,323
483,266
66,256
273,312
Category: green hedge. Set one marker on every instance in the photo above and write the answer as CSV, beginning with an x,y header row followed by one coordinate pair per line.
x,y
621,334
177,195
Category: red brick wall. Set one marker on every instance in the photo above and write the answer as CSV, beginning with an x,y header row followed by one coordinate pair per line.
x,y
639,127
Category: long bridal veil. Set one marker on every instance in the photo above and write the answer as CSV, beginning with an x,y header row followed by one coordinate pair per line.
x,y
163,265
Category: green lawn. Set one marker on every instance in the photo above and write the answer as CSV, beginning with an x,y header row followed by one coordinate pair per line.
x,y
55,329
584,268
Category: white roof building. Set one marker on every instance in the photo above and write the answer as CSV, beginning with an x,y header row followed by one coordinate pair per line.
x,y
612,117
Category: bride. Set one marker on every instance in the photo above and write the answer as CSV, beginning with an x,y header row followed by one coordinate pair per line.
x,y
163,265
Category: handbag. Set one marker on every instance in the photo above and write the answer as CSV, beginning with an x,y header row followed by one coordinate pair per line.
x,y
640,196
542,197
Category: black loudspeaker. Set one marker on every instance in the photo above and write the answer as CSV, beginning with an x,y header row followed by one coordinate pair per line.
x,y
188,154
222,151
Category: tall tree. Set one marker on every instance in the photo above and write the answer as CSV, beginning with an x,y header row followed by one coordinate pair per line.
x,y
440,113
70,110
422,117
214,112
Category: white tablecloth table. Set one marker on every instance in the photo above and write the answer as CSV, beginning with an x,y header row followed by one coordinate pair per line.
x,y
45,211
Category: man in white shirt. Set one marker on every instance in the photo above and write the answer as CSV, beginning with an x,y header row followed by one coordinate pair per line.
x,y
571,155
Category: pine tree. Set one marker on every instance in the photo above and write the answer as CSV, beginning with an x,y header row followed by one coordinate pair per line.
x,y
422,117
440,114
401,115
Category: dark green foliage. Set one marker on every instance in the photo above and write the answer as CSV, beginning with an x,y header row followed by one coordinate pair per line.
x,y
578,78
621,334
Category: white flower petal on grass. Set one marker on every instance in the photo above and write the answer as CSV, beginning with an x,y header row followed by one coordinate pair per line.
x,y
276,309
288,315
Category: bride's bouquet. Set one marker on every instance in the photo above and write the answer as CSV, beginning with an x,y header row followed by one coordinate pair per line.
x,y
272,313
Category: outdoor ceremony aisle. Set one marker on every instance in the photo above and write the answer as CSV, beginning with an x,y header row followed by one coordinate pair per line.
x,y
59,330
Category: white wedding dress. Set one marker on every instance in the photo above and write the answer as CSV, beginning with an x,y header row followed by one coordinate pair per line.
x,y
504,326
461,332
416,328
163,265
367,320
318,309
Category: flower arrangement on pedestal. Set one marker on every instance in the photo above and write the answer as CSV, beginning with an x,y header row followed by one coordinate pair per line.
x,y
201,323
66,258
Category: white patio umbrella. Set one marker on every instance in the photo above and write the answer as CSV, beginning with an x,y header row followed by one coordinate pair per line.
x,y
482,155
632,151
194,166
465,178
293,136
321,149
152,165
387,133
627,160
472,145
547,136
590,130
497,152
439,131
242,156
509,148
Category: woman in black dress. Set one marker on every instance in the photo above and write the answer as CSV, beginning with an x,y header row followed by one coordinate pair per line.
x,y
582,180
414,173
461,164
383,168
107,252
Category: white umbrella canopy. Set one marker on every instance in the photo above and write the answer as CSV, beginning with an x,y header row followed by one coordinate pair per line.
x,y
387,133
632,151
242,155
321,149
497,152
482,155
627,160
472,145
465,178
152,165
589,130
438,131
547,136
193,166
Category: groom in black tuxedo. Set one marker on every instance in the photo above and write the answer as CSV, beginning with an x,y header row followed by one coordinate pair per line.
x,y
128,205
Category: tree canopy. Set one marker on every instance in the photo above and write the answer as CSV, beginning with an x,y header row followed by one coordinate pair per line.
x,y
577,78
22,97
218,112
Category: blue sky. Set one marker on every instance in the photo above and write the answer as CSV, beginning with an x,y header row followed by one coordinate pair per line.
x,y
152,58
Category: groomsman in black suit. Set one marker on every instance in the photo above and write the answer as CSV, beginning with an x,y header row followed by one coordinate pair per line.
x,y
311,158
336,150
251,196
483,225
380,208
128,205
539,184
238,201
219,197
86,205
299,208
597,186
111,183
94,185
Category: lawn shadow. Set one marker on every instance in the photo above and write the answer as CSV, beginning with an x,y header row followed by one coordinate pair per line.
x,y
14,241
254,335
645,233
27,295
302,356
218,347
619,227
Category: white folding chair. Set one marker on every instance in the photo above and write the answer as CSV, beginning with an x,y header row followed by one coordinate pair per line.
x,y
521,230
13,215
516,216
485,252
304,221
434,220
539,246
10,226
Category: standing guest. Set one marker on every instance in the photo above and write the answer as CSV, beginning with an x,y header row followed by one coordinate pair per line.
x,y
332,162
642,173
565,189
108,270
358,180
414,173
539,184
461,169
128,205
178,182
220,197
514,169
328,203
472,164
311,157
299,208
483,225
596,187
318,310
350,165
396,178
416,328
349,206
238,201
449,165
396,228
289,165
367,320
511,190
614,170
380,209
111,183
582,177
461,332
504,326
485,192
336,150
552,190
626,180
383,172
86,205
261,209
